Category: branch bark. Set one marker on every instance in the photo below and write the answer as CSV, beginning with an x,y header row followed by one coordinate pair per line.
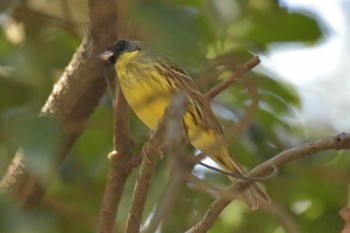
x,y
72,101
234,77
341,141
122,162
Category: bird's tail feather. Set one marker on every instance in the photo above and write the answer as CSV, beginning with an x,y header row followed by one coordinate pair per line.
x,y
254,195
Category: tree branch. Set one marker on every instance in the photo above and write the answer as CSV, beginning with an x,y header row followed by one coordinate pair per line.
x,y
341,141
122,163
227,82
72,101
181,166
151,153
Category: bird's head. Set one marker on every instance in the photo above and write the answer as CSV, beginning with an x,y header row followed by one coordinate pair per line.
x,y
121,48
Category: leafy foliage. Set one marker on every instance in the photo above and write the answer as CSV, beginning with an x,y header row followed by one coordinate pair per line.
x,y
197,34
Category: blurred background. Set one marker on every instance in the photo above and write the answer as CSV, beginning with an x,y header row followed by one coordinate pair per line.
x,y
302,87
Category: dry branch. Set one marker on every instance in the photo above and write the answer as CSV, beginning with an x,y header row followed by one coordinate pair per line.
x,y
341,141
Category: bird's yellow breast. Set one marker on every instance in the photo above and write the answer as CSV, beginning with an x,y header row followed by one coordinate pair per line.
x,y
144,90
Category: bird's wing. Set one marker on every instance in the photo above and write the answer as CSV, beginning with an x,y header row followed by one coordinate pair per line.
x,y
185,82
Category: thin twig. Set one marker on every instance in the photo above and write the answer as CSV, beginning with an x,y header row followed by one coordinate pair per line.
x,y
261,178
341,141
148,165
203,185
178,158
226,83
166,203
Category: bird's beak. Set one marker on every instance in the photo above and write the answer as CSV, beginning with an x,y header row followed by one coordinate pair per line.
x,y
105,55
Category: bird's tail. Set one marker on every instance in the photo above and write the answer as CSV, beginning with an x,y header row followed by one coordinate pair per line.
x,y
254,195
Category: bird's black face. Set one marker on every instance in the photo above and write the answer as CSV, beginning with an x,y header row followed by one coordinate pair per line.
x,y
118,48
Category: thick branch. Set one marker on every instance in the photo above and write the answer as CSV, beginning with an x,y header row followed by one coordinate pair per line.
x,y
72,101
341,141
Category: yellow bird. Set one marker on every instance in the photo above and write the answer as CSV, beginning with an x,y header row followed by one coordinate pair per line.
x,y
149,82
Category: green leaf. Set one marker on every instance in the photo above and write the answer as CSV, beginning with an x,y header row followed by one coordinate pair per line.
x,y
282,26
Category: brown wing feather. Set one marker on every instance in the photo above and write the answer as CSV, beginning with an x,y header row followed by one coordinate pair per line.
x,y
185,83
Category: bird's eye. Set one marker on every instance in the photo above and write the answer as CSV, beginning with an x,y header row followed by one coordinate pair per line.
x,y
121,44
